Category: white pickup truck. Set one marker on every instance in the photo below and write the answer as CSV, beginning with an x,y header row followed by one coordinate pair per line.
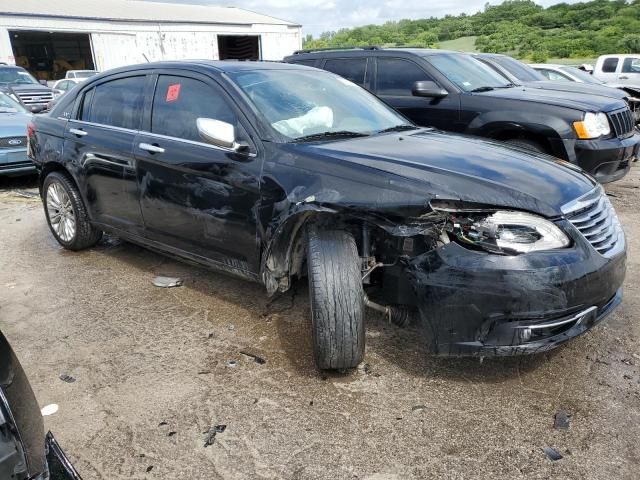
x,y
619,70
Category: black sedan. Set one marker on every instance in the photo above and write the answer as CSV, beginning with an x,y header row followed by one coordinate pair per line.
x,y
274,172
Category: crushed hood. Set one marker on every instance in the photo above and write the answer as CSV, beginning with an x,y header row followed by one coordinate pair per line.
x,y
458,167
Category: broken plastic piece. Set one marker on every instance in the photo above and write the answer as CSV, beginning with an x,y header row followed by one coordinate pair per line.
x,y
552,453
167,282
67,378
211,434
562,420
49,409
256,358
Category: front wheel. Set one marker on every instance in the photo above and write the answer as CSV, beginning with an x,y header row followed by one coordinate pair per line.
x,y
337,299
66,214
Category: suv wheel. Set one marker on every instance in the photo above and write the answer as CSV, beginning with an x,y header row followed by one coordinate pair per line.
x,y
66,214
336,297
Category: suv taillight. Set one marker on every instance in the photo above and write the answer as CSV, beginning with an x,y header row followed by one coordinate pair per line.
x,y
31,128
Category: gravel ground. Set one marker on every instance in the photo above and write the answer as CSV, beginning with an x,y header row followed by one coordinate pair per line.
x,y
155,369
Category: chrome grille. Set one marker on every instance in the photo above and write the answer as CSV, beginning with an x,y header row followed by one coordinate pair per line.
x,y
595,218
622,121
35,98
13,142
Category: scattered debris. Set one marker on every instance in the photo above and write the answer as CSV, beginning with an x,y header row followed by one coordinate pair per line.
x,y
149,468
204,372
171,434
25,194
311,403
162,424
597,360
232,363
210,336
627,361
627,377
167,282
416,408
231,327
552,454
211,434
49,409
67,378
561,420
256,358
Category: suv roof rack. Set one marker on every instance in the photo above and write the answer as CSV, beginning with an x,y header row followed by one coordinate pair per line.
x,y
330,49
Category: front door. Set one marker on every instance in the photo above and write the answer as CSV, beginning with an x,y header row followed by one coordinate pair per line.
x,y
630,72
395,78
99,143
196,197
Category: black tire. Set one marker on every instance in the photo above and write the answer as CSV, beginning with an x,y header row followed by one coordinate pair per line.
x,y
527,145
337,299
86,235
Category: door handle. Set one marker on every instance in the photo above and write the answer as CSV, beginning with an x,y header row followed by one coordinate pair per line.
x,y
78,132
623,77
147,147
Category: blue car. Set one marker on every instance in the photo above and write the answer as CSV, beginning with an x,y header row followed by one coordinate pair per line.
x,y
13,138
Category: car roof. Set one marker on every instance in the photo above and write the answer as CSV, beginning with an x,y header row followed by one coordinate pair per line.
x,y
360,51
220,66
548,65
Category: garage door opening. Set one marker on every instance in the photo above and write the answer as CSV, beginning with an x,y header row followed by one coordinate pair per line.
x,y
239,47
49,55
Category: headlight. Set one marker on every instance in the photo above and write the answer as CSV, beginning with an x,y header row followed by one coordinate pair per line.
x,y
507,232
594,125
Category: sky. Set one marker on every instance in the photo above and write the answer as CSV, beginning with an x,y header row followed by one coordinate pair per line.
x,y
317,16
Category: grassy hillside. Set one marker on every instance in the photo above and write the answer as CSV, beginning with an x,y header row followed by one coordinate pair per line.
x,y
462,44
517,27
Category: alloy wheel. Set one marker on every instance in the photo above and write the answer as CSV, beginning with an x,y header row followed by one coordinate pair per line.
x,y
61,215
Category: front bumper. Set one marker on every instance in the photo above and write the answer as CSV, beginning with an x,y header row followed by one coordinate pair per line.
x,y
14,162
60,468
479,304
608,159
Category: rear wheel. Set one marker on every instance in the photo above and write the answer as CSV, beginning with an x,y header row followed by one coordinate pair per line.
x,y
337,299
527,144
66,214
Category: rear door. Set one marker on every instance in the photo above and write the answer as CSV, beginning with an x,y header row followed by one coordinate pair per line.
x,y
607,71
196,197
99,144
630,71
394,80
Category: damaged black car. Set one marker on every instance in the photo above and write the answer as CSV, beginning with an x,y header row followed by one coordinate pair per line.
x,y
277,172
25,451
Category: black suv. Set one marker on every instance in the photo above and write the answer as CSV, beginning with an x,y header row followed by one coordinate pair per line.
x,y
20,84
274,172
456,92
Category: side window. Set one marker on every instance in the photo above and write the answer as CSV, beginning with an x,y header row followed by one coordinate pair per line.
x,y
556,76
396,76
121,102
180,101
546,73
609,65
353,69
85,107
631,65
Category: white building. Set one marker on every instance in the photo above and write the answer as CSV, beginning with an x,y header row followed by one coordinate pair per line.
x,y
49,37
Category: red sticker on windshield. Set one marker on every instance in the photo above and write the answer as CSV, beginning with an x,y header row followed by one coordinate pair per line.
x,y
173,92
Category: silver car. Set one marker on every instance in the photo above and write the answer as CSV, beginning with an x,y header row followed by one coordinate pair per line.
x,y
13,138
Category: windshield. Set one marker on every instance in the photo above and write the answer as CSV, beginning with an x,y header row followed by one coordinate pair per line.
x,y
300,103
9,105
521,71
581,75
468,73
84,74
16,76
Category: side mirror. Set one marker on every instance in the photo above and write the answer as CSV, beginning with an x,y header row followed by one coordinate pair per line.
x,y
219,133
427,88
42,82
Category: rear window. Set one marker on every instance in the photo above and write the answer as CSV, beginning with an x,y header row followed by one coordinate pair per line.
x,y
609,65
521,71
121,103
396,76
180,101
353,69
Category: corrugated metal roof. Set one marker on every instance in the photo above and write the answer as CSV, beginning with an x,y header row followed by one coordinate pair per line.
x,y
137,11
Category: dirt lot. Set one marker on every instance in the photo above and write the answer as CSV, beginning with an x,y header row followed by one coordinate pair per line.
x,y
154,371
